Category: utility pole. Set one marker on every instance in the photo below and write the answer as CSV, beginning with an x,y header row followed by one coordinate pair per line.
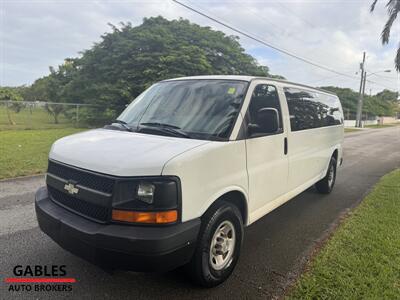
x,y
362,97
361,93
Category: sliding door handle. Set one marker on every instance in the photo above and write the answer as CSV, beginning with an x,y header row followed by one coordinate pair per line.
x,y
285,146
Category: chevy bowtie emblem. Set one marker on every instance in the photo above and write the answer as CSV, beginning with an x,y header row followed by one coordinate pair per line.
x,y
71,188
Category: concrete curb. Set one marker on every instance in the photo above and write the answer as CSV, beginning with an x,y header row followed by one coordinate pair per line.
x,y
22,177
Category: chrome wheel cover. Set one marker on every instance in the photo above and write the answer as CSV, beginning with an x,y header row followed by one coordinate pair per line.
x,y
223,246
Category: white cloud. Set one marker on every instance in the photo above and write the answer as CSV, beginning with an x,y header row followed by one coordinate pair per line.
x,y
37,34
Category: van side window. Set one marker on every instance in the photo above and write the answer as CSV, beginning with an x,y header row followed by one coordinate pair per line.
x,y
309,110
264,100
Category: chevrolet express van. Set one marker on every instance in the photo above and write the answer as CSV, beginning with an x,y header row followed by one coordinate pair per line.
x,y
188,164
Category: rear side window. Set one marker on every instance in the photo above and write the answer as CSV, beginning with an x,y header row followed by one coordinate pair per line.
x,y
309,110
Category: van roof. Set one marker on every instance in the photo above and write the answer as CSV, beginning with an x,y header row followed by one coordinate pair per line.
x,y
247,78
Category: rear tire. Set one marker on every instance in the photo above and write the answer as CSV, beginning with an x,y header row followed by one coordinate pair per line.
x,y
218,245
326,184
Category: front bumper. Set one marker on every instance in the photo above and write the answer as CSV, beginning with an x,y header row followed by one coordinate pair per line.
x,y
114,246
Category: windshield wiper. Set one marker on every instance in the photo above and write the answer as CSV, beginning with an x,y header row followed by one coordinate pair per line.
x,y
166,128
158,124
123,124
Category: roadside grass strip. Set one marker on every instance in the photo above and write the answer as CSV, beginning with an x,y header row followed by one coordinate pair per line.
x,y
378,126
351,130
25,152
362,258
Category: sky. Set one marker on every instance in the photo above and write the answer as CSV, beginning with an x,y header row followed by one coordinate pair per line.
x,y
37,34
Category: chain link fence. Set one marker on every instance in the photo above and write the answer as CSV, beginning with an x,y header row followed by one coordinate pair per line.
x,y
352,115
43,115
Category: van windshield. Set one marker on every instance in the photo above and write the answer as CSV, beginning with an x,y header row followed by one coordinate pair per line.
x,y
200,109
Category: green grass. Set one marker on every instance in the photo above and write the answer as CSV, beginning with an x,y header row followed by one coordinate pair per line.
x,y
377,126
24,152
362,259
38,118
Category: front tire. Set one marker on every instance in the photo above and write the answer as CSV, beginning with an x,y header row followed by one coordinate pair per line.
x,y
326,184
218,245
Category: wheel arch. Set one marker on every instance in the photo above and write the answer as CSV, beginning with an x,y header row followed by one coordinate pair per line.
x,y
335,154
338,155
236,197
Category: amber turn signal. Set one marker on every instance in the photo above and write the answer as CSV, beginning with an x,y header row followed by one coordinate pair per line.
x,y
159,217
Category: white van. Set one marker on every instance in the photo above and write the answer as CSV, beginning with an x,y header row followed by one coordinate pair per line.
x,y
185,167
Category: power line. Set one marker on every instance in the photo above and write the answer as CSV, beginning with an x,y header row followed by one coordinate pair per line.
x,y
249,9
256,35
286,32
386,77
286,52
278,27
270,24
323,79
382,85
281,50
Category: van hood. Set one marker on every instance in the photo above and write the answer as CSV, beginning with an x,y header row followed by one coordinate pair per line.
x,y
120,153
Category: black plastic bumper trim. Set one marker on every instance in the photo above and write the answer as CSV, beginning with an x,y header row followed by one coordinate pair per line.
x,y
136,248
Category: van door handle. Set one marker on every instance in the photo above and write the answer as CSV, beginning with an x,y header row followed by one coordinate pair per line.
x,y
285,146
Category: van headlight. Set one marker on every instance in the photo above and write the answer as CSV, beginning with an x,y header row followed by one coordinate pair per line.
x,y
145,192
147,200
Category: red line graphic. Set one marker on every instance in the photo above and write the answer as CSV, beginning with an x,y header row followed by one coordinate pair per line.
x,y
39,280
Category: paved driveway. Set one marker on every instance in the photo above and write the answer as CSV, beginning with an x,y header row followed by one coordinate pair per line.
x,y
275,247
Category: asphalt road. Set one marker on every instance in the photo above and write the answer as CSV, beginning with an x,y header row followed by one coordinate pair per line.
x,y
275,249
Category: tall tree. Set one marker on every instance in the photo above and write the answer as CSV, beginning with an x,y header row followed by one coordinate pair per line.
x,y
388,95
382,104
54,88
129,59
393,8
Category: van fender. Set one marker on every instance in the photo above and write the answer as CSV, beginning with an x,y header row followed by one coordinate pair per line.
x,y
336,148
216,196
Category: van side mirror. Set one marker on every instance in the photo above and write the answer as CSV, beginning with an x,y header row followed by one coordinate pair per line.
x,y
267,121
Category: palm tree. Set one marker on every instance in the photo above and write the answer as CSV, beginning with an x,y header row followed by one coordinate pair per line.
x,y
393,8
